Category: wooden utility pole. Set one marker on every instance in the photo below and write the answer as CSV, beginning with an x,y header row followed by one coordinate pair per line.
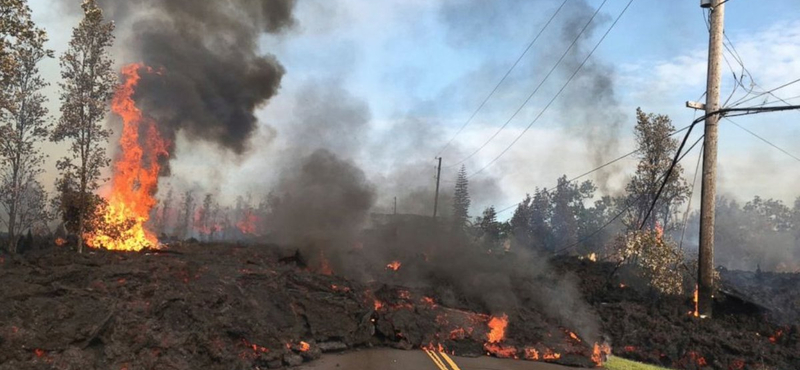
x,y
436,200
395,205
709,191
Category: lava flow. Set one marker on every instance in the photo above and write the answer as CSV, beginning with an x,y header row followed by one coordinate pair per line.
x,y
135,174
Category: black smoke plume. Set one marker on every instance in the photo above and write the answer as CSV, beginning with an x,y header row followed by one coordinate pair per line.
x,y
212,76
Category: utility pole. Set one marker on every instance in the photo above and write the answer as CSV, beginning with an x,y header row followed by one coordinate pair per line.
x,y
395,205
438,175
709,191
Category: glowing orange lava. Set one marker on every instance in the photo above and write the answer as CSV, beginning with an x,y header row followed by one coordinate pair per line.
x,y
497,326
394,265
304,346
135,174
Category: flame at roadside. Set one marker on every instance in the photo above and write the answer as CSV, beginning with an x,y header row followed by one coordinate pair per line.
x,y
135,174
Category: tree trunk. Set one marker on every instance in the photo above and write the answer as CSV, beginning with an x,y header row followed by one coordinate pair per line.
x,y
80,231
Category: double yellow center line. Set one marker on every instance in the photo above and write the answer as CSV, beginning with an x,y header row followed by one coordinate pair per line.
x,y
439,359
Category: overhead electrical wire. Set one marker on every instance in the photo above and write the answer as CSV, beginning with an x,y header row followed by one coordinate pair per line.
x,y
624,210
764,140
539,86
524,52
557,93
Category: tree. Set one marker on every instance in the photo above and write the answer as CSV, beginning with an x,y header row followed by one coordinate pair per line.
x,y
490,230
15,25
569,213
23,126
87,87
461,201
185,226
656,149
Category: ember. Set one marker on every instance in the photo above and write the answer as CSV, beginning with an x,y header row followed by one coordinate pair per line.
x,y
60,242
394,265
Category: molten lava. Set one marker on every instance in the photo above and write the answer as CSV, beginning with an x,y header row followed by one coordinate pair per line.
x,y
497,326
394,265
135,174
696,311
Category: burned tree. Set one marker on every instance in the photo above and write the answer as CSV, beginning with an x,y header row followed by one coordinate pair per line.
x,y
656,151
87,87
23,123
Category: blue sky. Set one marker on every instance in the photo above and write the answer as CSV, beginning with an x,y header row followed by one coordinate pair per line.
x,y
432,62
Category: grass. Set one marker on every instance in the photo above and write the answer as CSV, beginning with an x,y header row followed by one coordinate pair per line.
x,y
618,363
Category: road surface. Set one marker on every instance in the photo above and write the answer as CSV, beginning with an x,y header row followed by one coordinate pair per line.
x,y
392,359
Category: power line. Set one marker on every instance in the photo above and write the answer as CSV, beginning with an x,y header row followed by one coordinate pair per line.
x,y
764,140
530,96
624,210
587,173
691,194
502,79
557,94
740,102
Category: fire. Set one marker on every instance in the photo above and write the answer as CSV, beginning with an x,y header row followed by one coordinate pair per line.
x,y
574,336
304,346
776,337
394,265
497,326
60,242
324,265
247,225
135,174
696,311
500,350
550,355
428,301
38,352
599,352
531,353
378,305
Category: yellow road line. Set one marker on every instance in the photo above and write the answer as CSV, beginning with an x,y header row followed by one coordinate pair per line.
x,y
449,361
436,360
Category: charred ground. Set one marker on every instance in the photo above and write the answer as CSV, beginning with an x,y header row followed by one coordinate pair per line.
x,y
234,306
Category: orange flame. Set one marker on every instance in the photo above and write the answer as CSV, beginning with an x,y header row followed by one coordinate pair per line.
x,y
776,337
394,265
38,352
497,326
574,336
531,353
696,311
247,225
599,352
304,346
135,174
60,242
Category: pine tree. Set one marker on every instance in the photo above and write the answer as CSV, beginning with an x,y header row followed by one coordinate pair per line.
x,y
461,201
87,87
656,151
23,126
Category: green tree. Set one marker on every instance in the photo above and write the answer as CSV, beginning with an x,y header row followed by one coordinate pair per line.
x,y
490,230
461,201
656,152
87,87
23,126
569,212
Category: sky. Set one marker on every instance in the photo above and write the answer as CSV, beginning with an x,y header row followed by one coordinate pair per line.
x,y
415,70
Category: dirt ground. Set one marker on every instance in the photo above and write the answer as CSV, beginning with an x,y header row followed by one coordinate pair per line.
x,y
248,307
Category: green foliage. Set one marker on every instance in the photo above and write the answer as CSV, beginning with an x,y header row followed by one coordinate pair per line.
x,y
656,257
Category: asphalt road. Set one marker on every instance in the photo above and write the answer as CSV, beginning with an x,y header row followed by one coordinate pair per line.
x,y
390,359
